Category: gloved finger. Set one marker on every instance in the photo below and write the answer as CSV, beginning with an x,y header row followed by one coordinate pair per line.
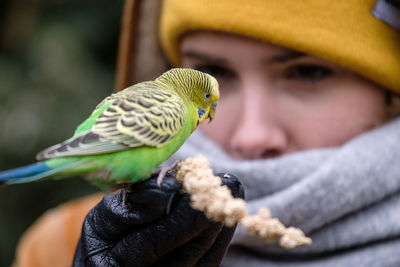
x,y
149,201
233,183
216,252
191,253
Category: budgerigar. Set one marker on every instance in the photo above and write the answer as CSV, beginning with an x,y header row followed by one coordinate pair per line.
x,y
130,133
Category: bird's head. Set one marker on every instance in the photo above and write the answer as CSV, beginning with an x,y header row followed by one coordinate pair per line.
x,y
198,87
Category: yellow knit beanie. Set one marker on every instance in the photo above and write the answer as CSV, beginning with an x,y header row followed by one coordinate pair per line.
x,y
342,31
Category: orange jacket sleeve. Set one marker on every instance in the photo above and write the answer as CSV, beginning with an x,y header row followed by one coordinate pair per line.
x,y
52,239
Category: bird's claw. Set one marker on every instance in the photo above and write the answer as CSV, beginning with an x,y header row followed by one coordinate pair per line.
x,y
164,170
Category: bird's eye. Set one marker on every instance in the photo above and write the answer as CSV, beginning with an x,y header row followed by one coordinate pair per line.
x,y
207,96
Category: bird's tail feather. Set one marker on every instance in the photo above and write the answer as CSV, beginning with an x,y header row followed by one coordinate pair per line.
x,y
30,173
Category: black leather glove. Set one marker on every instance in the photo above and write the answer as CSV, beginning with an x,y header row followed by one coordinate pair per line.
x,y
159,228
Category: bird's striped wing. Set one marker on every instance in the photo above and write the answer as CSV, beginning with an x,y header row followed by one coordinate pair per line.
x,y
145,116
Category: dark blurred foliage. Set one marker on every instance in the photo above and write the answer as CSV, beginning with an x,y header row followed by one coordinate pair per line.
x,y
57,61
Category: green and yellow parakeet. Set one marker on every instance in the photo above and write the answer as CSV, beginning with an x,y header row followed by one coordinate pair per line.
x,y
130,133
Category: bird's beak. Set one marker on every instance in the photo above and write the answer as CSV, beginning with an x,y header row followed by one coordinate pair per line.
x,y
211,114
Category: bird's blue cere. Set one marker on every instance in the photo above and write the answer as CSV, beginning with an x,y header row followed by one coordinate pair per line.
x,y
214,105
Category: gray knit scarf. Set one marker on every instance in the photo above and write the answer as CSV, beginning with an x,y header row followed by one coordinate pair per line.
x,y
347,199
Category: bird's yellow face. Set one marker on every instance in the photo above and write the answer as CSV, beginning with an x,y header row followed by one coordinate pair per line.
x,y
208,105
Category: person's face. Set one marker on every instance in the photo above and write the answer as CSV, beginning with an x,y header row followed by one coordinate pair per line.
x,y
275,101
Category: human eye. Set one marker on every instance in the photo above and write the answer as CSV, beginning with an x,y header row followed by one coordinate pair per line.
x,y
219,72
308,72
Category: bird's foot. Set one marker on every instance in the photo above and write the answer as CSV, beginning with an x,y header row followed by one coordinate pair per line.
x,y
164,170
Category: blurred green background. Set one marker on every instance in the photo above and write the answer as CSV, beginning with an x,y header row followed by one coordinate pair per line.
x,y
57,61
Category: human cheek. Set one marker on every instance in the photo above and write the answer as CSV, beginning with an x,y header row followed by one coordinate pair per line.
x,y
338,115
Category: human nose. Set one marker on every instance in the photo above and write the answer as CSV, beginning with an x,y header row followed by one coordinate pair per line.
x,y
259,132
